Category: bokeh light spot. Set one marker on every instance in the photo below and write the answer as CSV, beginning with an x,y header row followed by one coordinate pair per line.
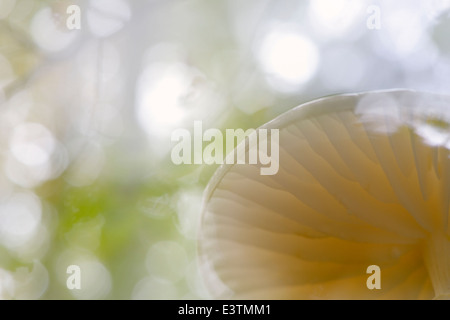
x,y
154,289
20,216
288,58
106,17
32,144
47,34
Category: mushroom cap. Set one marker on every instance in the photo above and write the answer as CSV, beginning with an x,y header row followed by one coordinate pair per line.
x,y
363,179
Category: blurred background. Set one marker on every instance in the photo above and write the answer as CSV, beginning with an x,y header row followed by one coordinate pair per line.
x,y
86,117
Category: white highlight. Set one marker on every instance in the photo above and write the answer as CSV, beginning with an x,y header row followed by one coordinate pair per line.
x,y
335,17
32,144
288,58
160,94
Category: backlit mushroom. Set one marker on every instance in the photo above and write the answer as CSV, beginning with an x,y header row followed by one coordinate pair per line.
x,y
363,179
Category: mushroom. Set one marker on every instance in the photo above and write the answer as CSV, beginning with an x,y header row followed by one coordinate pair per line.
x,y
363,180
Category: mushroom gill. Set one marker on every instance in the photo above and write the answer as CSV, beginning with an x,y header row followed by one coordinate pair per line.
x,y
363,179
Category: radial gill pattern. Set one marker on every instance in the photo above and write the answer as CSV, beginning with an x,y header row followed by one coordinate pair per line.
x,y
363,180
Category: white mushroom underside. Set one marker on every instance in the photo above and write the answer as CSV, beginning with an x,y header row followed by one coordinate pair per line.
x,y
354,188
